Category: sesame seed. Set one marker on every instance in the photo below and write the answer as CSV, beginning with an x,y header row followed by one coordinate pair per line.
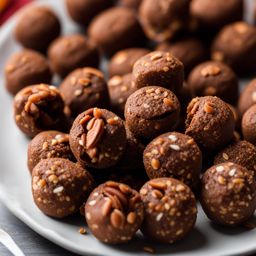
x,y
58,190
159,216
232,172
220,168
175,147
172,137
225,156
93,202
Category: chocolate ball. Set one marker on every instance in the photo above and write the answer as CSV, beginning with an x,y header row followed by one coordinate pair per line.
x,y
125,33
170,210
37,27
190,51
133,4
39,108
83,11
98,138
228,195
25,68
48,144
159,69
216,14
173,155
214,78
84,88
151,111
73,51
249,125
162,19
114,212
122,62
236,46
210,122
239,152
60,187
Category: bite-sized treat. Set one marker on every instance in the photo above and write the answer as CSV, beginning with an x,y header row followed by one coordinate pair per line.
x,y
25,68
216,14
247,97
122,62
210,122
125,33
37,27
73,51
83,11
173,155
98,138
134,4
190,51
151,111
120,88
240,152
236,46
159,69
162,19
213,78
39,108
60,186
170,210
84,88
228,195
48,144
249,125
114,212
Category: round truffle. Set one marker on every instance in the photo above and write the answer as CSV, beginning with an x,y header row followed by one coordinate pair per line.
x,y
214,78
133,4
70,52
228,195
173,155
84,88
125,33
37,27
122,62
216,14
98,138
151,111
48,144
190,51
39,108
210,122
240,152
236,46
114,212
170,210
25,68
162,19
120,88
249,125
60,186
159,69
83,11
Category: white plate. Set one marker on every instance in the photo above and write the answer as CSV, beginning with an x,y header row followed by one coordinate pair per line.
x,y
15,192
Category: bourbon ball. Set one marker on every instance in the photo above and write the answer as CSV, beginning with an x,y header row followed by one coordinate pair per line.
x,y
48,144
228,195
170,210
162,19
98,138
122,62
83,11
39,108
70,52
239,152
84,88
114,212
151,111
25,68
124,34
37,27
133,4
173,155
159,69
60,186
236,46
249,125
190,51
210,122
213,78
